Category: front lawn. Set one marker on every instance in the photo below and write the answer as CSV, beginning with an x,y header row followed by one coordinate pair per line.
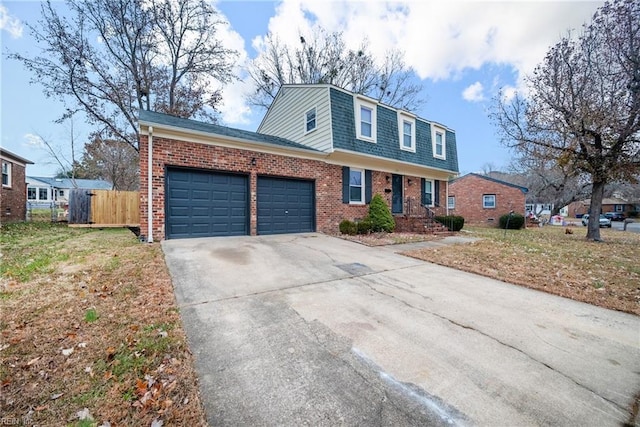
x,y
90,331
600,273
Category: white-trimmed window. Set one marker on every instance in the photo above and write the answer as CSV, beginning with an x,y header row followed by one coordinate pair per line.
x,y
310,120
356,186
451,202
6,174
43,194
31,193
407,128
489,201
439,142
619,208
428,192
61,193
365,120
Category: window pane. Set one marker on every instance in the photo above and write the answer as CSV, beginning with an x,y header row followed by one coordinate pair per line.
x,y
406,134
355,194
365,129
489,201
451,202
42,194
427,199
5,179
365,114
311,119
438,144
31,194
355,178
427,187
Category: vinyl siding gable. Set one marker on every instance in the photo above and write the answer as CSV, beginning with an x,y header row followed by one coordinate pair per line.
x,y
286,116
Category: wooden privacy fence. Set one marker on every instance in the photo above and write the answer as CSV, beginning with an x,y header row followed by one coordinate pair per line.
x,y
104,208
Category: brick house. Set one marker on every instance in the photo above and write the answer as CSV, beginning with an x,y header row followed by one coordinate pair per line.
x,y
609,204
481,200
13,192
317,158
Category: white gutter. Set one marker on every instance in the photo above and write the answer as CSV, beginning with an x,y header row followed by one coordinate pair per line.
x,y
149,188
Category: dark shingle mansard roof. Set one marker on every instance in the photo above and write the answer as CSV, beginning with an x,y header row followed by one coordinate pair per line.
x,y
151,118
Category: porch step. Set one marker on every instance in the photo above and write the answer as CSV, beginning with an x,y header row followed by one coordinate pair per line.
x,y
420,225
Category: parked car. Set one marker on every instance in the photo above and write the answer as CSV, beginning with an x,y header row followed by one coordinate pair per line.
x,y
615,216
604,221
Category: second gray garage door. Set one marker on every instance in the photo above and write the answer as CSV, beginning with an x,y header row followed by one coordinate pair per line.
x,y
285,206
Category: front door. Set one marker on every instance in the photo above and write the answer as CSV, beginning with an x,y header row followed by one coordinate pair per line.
x,y
396,194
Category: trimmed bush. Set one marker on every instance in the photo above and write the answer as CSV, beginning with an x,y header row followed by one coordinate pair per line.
x,y
364,226
516,222
380,215
452,222
348,227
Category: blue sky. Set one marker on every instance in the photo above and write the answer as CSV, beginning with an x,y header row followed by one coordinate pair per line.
x,y
462,52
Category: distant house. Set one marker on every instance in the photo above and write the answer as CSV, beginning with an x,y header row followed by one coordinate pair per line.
x,y
538,209
609,204
481,200
42,191
12,191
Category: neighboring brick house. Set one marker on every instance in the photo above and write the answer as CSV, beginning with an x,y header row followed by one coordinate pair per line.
x,y
609,204
481,200
319,155
13,192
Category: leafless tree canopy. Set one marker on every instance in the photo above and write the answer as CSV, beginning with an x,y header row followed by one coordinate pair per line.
x,y
582,110
110,58
326,59
112,161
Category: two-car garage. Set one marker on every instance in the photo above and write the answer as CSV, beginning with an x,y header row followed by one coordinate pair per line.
x,y
202,203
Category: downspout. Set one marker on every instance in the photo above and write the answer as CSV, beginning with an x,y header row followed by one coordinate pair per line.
x,y
149,188
447,196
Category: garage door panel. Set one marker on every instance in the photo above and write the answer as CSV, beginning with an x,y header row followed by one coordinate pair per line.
x,y
206,203
285,206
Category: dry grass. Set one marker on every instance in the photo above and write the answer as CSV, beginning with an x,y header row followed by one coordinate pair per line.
x,y
605,273
90,330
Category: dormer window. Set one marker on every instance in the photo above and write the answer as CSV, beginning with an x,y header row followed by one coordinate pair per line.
x,y
310,120
439,142
365,120
407,128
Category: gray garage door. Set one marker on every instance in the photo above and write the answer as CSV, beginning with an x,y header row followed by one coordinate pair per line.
x,y
285,206
204,204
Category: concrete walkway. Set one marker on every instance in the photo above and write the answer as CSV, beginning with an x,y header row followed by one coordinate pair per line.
x,y
313,330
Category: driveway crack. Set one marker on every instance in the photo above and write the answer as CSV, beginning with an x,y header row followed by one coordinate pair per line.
x,y
472,328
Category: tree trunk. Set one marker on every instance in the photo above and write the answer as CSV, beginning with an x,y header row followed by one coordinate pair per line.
x,y
593,227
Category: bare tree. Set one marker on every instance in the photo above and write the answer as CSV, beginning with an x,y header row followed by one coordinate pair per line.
x,y
112,161
324,58
110,58
549,182
583,106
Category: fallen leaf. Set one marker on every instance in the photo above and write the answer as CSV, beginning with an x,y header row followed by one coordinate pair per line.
x,y
34,360
67,351
56,396
41,408
82,345
84,414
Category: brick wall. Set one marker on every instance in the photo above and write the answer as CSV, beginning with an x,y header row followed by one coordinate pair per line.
x,y
13,200
328,180
468,192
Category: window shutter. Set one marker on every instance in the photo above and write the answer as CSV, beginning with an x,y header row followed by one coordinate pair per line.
x,y
436,190
367,186
422,189
345,184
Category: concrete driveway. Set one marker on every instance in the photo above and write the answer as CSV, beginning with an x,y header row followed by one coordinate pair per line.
x,y
308,329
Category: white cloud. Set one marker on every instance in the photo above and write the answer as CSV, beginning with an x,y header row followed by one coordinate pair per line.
x,y
10,23
441,39
474,92
33,141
